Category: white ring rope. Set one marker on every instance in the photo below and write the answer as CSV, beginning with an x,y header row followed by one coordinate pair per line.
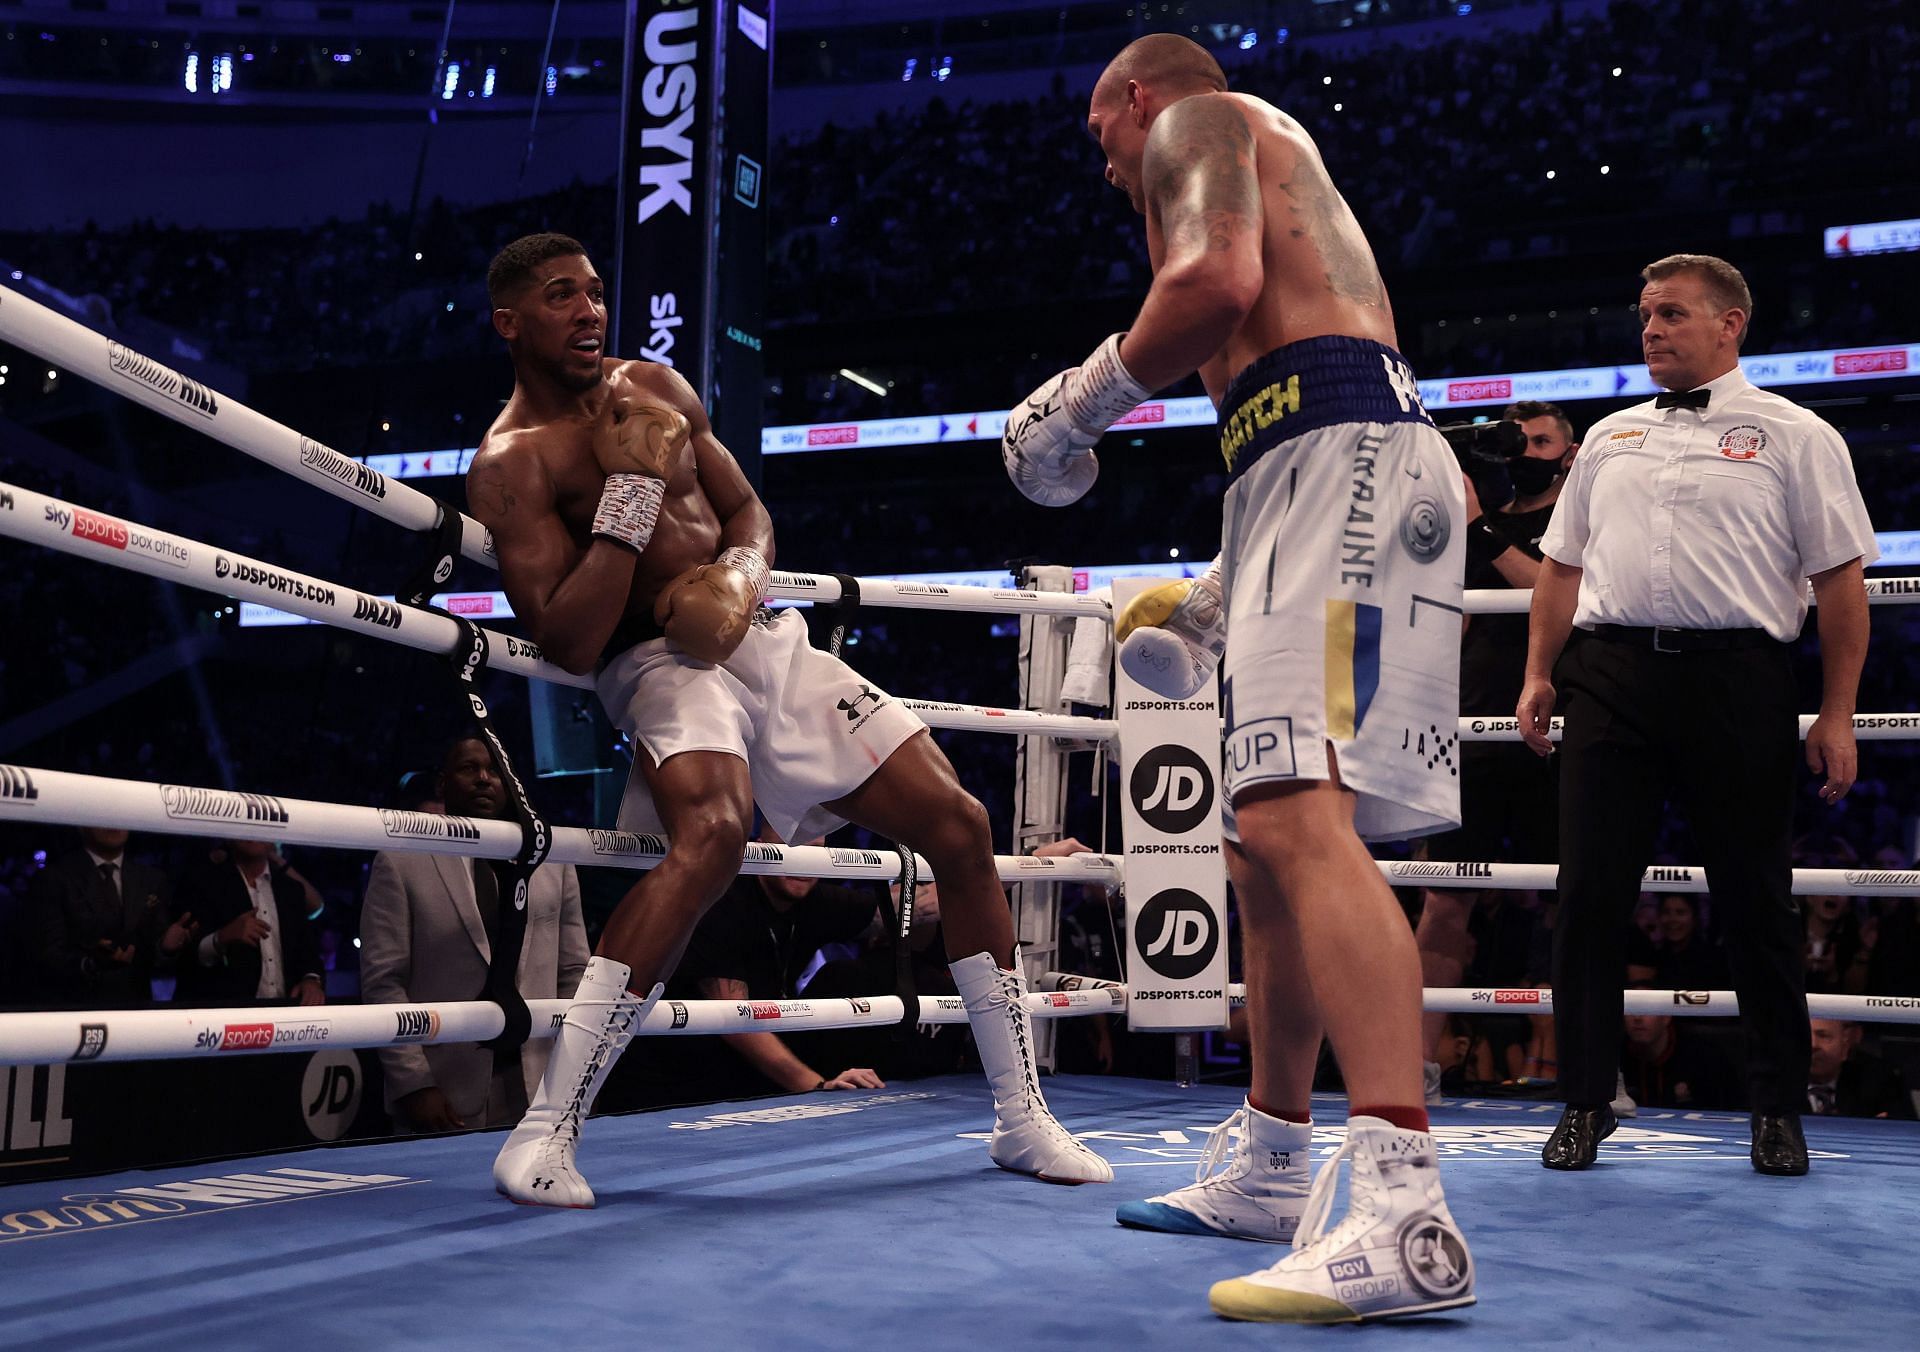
x,y
1881,591
1539,1000
53,1037
119,369
61,797
57,796
46,1038
56,524
39,519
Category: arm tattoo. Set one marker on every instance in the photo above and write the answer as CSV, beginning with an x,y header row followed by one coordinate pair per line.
x,y
493,494
1199,176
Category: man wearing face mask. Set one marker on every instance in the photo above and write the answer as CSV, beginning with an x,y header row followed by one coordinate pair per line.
x,y
1508,798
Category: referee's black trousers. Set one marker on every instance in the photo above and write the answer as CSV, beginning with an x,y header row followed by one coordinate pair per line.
x,y
1720,731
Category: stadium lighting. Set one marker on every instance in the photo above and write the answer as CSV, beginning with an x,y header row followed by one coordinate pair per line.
x,y
863,382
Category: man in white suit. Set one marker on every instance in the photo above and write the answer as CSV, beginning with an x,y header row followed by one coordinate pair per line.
x,y
426,935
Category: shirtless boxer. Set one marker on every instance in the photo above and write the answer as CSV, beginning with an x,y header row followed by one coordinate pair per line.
x,y
630,542
1341,571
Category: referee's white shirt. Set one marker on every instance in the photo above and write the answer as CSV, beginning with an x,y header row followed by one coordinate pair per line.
x,y
1711,518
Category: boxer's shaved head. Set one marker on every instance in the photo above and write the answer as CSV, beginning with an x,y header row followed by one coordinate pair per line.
x,y
1150,75
1165,61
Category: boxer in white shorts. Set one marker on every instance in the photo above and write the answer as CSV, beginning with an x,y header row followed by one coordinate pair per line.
x,y
627,535
810,729
1339,593
1341,561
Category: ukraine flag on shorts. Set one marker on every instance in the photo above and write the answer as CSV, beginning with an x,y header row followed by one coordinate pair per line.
x,y
1353,666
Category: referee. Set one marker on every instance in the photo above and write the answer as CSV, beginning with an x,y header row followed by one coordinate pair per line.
x,y
1680,551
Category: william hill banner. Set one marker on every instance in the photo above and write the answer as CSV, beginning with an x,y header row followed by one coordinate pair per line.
x,y
691,271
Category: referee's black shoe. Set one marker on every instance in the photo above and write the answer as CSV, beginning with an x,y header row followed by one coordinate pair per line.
x,y
1779,1146
1576,1140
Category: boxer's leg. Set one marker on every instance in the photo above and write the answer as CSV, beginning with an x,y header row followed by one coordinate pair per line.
x,y
1253,1181
1398,1250
915,798
706,802
1360,957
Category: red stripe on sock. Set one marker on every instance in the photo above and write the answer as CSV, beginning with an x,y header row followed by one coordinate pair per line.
x,y
1300,1115
1407,1119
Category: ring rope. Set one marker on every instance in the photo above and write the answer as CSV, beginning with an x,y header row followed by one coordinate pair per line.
x,y
1881,591
56,524
1539,1000
58,796
120,370
54,1037
31,794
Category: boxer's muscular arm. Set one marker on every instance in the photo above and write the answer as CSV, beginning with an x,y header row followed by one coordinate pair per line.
x,y
1203,192
571,601
744,521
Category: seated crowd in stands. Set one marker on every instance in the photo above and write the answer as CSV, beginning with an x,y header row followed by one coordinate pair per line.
x,y
1482,148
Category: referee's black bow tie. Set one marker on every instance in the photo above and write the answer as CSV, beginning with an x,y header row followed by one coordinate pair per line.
x,y
1682,399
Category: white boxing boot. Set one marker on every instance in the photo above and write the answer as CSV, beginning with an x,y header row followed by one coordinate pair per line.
x,y
536,1165
1258,1195
1396,1252
1026,1138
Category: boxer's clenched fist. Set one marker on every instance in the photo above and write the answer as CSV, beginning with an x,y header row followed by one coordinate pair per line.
x,y
1171,637
638,445
1047,446
632,436
706,610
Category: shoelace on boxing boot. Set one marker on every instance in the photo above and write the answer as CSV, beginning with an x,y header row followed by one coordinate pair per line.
x,y
1221,1148
613,1036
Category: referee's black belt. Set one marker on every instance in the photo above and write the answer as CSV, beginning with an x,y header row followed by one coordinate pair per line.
x,y
1663,640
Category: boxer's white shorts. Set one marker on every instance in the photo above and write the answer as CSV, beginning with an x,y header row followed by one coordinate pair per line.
x,y
808,727
1344,555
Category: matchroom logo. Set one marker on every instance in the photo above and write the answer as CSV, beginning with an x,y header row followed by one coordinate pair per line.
x,y
81,1212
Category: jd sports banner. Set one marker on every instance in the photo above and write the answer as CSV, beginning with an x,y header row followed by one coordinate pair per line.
x,y
1176,877
691,272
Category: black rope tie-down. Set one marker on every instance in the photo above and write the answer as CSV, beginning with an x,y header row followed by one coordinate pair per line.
x,y
840,614
512,877
438,568
904,985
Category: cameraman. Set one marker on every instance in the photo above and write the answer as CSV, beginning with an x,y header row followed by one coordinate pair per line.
x,y
1508,797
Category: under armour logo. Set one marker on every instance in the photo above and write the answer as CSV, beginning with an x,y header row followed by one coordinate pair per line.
x,y
543,1182
851,707
1405,388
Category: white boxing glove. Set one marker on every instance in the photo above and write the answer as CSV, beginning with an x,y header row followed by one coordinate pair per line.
x,y
1047,446
1172,637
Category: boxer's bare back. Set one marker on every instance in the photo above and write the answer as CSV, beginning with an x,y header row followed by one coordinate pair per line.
x,y
1318,275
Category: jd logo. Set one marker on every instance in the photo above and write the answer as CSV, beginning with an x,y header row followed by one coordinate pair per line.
x,y
1176,934
330,1093
1172,789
